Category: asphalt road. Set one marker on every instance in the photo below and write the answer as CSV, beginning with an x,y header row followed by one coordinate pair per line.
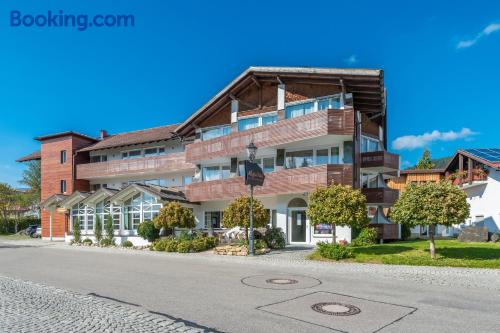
x,y
240,295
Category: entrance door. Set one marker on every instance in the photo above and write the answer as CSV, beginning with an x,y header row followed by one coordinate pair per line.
x,y
298,227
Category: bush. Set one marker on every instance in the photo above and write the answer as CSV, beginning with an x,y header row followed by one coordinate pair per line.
x,y
8,226
260,244
108,228
184,246
87,241
334,251
199,245
367,236
185,236
211,241
148,231
107,242
127,243
405,232
160,244
77,236
171,245
98,229
274,238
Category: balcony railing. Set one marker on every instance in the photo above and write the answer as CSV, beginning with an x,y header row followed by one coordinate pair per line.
x,y
169,163
308,126
380,161
380,196
285,181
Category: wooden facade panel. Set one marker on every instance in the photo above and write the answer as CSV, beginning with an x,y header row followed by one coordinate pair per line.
x,y
301,91
380,159
309,126
287,181
380,195
369,126
386,231
156,164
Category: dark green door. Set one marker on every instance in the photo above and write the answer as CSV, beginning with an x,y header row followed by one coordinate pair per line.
x,y
298,226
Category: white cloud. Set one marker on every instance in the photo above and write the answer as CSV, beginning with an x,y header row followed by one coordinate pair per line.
x,y
411,142
485,32
352,59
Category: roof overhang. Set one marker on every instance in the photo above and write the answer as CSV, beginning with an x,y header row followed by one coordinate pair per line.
x,y
98,196
473,157
366,85
63,134
31,157
73,199
162,194
53,201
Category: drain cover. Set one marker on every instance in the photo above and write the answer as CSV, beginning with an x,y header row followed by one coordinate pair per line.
x,y
282,281
336,309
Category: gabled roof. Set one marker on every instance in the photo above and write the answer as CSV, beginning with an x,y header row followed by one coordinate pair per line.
x,y
486,156
52,201
370,82
31,157
132,138
66,133
159,192
99,195
73,199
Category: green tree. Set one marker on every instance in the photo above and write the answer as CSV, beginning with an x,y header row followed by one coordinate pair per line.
x,y
32,178
7,203
174,215
148,231
108,228
98,229
431,204
425,161
237,214
77,235
337,205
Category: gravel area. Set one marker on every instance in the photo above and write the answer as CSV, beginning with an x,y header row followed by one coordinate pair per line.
x,y
31,307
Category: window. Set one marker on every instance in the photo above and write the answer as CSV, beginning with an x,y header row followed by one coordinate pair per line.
x,y
215,132
186,180
78,211
368,144
225,171
298,110
267,164
63,156
334,155
369,181
139,208
154,151
323,229
268,120
332,102
215,172
298,159
98,158
131,154
63,186
372,211
273,218
321,156
348,152
248,123
95,187
213,220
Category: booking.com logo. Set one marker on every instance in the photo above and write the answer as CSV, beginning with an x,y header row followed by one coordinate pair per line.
x,y
60,19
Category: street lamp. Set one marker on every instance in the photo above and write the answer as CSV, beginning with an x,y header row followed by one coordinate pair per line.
x,y
251,151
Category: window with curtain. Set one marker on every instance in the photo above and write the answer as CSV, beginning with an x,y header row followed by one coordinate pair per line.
x,y
299,159
211,173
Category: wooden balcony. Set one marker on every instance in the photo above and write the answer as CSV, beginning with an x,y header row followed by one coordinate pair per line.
x,y
285,181
380,161
380,196
169,163
309,126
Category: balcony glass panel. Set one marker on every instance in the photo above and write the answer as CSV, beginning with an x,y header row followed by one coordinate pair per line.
x,y
321,156
369,144
299,159
267,120
248,123
298,110
348,152
335,155
332,102
268,164
211,173
215,132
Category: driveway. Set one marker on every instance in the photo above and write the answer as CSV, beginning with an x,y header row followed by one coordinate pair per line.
x,y
281,292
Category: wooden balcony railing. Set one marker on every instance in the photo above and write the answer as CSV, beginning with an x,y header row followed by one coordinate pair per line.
x,y
285,181
174,162
380,161
380,195
309,126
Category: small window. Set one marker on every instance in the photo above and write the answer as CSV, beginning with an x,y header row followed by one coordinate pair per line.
x,y
321,156
213,219
298,110
63,186
63,156
268,164
187,180
225,171
248,123
348,152
131,154
334,158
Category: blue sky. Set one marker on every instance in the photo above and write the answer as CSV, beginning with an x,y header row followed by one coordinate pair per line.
x,y
440,61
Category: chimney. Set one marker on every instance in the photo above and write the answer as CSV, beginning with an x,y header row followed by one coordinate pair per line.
x,y
103,134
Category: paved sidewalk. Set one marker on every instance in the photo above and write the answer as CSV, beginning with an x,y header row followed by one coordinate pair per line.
x,y
31,307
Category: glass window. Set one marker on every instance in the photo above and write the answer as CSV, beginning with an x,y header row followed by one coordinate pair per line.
x,y
213,219
187,180
225,171
347,152
63,156
134,154
267,120
299,159
215,132
321,156
334,156
368,144
297,110
369,181
323,229
78,211
248,123
161,151
268,164
241,168
332,102
211,173
151,152
273,217
63,186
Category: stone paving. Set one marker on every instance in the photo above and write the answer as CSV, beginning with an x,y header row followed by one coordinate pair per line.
x,y
30,307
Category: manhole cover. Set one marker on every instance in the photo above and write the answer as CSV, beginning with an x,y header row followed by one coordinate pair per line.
x,y
336,309
282,281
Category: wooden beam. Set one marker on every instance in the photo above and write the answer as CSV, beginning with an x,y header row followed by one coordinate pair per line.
x,y
460,168
247,104
469,169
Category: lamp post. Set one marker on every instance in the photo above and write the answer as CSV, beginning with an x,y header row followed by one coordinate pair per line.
x,y
251,150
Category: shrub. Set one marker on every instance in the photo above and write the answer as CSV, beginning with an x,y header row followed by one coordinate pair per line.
x,y
107,242
274,238
8,225
171,245
185,236
77,236
211,242
260,244
87,241
184,246
405,232
148,231
108,228
199,245
334,251
367,236
98,229
127,243
159,245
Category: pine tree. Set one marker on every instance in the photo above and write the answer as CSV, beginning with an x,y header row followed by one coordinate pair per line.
x,y
425,161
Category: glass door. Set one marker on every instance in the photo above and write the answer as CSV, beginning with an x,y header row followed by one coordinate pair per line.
x,y
298,226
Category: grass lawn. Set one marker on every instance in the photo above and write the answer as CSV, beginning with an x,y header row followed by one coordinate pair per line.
x,y
416,252
14,237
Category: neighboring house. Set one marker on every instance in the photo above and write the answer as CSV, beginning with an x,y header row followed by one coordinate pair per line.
x,y
312,127
477,172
